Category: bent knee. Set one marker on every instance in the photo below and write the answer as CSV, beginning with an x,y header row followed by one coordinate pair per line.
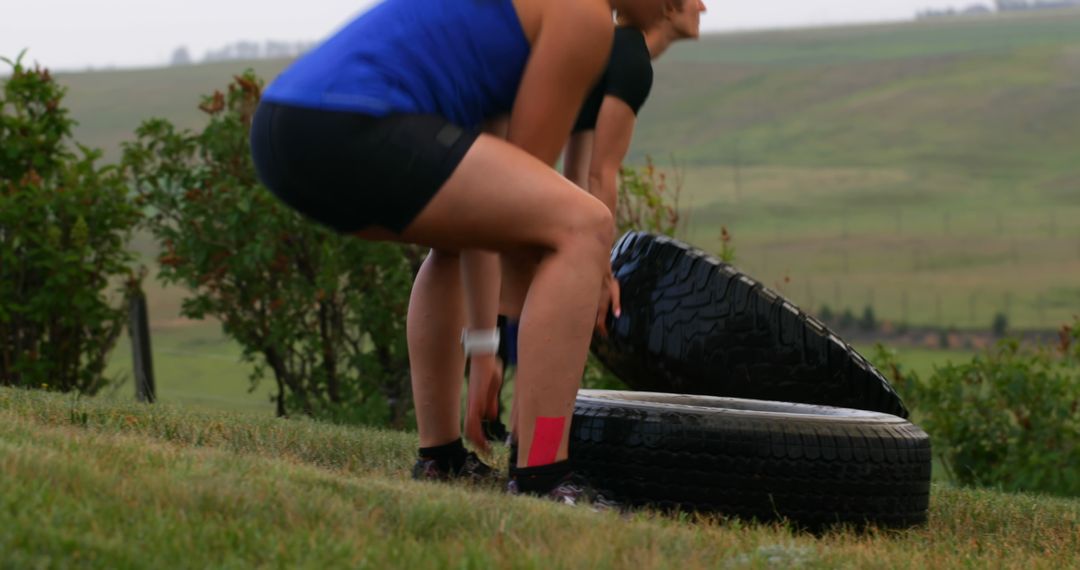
x,y
590,230
599,223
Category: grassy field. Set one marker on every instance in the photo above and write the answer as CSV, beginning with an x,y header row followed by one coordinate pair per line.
x,y
926,169
195,366
97,484
110,105
852,237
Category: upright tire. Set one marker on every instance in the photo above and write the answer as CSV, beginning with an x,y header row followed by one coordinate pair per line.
x,y
695,325
815,466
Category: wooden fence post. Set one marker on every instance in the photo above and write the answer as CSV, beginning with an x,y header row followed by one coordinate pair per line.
x,y
139,329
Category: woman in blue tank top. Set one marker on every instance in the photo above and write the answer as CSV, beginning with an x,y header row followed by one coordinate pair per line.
x,y
375,133
592,160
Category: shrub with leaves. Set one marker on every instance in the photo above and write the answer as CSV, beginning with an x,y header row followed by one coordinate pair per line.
x,y
648,201
1010,418
64,227
727,250
324,313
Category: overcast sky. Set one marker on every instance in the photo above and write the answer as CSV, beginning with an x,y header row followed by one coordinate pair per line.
x,y
75,34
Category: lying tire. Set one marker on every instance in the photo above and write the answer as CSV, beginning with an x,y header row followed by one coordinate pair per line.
x,y
813,465
695,325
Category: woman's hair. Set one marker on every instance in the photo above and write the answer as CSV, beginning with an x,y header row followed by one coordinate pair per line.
x,y
638,15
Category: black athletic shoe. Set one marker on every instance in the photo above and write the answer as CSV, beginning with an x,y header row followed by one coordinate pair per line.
x,y
573,490
494,429
472,470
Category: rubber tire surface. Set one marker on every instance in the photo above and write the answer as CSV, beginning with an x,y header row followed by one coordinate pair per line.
x,y
813,465
692,324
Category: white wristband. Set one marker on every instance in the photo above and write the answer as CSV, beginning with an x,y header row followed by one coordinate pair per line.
x,y
480,342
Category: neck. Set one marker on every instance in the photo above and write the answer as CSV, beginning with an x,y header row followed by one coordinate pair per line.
x,y
659,39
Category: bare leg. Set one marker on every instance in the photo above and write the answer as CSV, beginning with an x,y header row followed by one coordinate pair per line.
x,y
552,318
433,328
517,276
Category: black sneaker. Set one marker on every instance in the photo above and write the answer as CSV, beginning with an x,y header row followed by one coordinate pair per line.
x,y
472,470
494,429
573,490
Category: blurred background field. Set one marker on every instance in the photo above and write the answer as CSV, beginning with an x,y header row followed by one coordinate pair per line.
x,y
927,170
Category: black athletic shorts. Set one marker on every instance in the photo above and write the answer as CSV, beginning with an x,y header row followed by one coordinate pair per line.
x,y
351,171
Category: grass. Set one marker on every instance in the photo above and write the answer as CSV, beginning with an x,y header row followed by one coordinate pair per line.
x,y
915,251
923,361
110,105
195,366
101,484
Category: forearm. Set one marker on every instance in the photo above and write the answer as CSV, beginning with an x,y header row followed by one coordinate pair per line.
x,y
481,276
605,186
614,131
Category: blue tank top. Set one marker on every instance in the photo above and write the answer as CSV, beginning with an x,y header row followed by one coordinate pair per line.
x,y
459,59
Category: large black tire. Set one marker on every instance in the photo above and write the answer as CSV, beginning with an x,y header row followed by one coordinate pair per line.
x,y
815,466
695,325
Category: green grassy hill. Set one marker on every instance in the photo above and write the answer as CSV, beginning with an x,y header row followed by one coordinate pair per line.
x,y
110,105
94,484
985,96
927,169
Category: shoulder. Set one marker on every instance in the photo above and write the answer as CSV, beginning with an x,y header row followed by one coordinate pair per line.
x,y
577,33
630,73
629,53
586,20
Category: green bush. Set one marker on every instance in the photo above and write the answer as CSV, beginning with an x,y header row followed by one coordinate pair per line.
x,y
647,202
1010,418
64,228
324,313
727,251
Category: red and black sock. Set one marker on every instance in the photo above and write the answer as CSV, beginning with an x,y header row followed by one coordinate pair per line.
x,y
542,479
